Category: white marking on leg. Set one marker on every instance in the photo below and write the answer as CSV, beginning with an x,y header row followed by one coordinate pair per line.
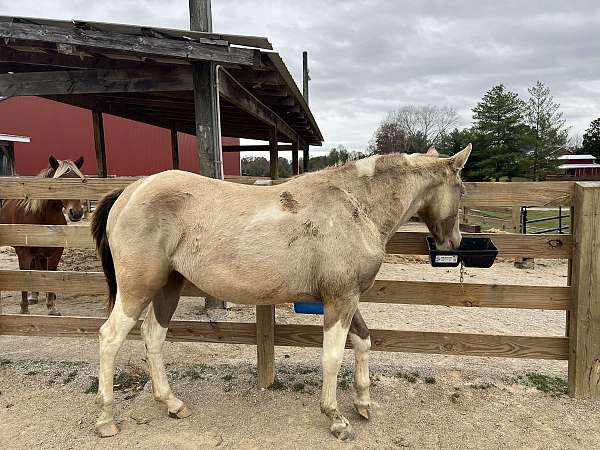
x,y
366,166
112,334
154,336
334,340
361,369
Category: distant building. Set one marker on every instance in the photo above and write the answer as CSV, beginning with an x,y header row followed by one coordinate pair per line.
x,y
578,166
132,148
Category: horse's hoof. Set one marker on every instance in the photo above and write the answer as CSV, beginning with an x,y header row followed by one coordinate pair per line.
x,y
54,312
107,429
342,430
181,413
345,435
362,410
32,301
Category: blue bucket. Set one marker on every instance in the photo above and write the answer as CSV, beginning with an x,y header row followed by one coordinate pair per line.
x,y
308,308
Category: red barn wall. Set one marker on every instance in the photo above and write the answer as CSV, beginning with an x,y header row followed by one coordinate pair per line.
x,y
132,148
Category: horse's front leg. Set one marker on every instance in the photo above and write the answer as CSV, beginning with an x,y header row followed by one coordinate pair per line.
x,y
336,322
51,263
25,263
361,342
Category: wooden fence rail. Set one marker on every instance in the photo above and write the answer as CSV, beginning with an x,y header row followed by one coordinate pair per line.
x,y
403,243
581,347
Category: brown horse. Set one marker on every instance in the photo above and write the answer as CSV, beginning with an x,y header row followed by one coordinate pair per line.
x,y
44,212
319,236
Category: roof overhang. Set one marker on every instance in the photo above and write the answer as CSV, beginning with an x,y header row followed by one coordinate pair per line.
x,y
145,74
14,138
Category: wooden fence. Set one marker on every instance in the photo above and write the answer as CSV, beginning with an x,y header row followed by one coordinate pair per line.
x,y
581,299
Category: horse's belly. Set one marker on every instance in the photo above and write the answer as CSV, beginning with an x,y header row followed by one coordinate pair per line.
x,y
251,288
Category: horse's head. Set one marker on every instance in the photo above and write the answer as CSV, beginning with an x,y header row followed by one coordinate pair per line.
x,y
68,169
440,208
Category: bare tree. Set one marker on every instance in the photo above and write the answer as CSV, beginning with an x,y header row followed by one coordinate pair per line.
x,y
413,128
388,138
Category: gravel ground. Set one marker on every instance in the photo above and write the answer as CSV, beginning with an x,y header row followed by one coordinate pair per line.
x,y
423,401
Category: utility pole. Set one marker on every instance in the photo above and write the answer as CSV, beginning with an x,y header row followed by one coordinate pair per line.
x,y
305,79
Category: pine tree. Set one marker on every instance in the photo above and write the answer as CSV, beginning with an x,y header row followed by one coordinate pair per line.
x,y
549,133
591,139
499,118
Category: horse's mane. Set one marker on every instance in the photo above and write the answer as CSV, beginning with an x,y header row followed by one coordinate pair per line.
x,y
35,206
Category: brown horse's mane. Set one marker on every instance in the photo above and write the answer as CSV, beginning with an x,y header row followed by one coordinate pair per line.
x,y
36,205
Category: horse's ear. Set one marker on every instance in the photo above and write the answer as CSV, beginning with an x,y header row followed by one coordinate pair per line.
x,y
53,162
460,159
432,151
79,162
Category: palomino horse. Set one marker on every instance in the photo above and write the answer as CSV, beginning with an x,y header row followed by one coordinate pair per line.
x,y
44,212
319,236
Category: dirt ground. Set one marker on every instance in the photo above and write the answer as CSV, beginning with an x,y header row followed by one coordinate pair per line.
x,y
422,401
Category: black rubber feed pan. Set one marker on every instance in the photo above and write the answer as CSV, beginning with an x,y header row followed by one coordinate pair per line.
x,y
473,252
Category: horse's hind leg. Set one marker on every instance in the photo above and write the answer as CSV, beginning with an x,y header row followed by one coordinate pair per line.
x,y
336,322
122,319
154,332
361,342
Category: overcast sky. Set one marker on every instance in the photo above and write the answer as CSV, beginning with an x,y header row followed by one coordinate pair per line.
x,y
368,57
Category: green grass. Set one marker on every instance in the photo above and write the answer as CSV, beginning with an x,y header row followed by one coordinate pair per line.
x,y
70,377
93,386
298,387
411,377
429,380
195,372
277,385
532,214
132,379
5,363
554,386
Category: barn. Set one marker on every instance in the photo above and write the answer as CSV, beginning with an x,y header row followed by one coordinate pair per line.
x,y
65,131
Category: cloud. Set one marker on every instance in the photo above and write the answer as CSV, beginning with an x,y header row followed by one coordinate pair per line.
x,y
370,56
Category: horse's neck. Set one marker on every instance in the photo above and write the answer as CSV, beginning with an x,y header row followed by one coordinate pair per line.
x,y
389,200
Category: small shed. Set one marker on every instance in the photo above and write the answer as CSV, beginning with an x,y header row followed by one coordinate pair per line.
x,y
7,152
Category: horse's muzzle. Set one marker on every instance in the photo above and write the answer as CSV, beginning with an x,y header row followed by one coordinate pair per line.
x,y
75,215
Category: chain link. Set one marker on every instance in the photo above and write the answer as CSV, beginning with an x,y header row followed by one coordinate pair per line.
x,y
462,273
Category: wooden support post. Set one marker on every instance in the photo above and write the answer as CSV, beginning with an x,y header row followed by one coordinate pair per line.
x,y
265,344
295,168
99,143
305,158
206,101
274,154
584,323
175,148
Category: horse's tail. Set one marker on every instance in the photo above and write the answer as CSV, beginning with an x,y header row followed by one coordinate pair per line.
x,y
99,221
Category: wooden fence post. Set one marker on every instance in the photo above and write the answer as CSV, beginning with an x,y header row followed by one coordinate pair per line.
x,y
584,323
265,345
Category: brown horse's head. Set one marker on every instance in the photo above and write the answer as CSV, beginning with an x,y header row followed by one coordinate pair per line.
x,y
440,209
68,169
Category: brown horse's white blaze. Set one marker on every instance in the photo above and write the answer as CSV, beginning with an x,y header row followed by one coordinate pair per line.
x,y
44,212
319,236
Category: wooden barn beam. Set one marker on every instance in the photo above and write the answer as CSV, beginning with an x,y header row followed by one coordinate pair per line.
x,y
96,81
131,44
295,168
175,148
238,95
256,148
305,158
99,143
274,154
14,55
206,102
